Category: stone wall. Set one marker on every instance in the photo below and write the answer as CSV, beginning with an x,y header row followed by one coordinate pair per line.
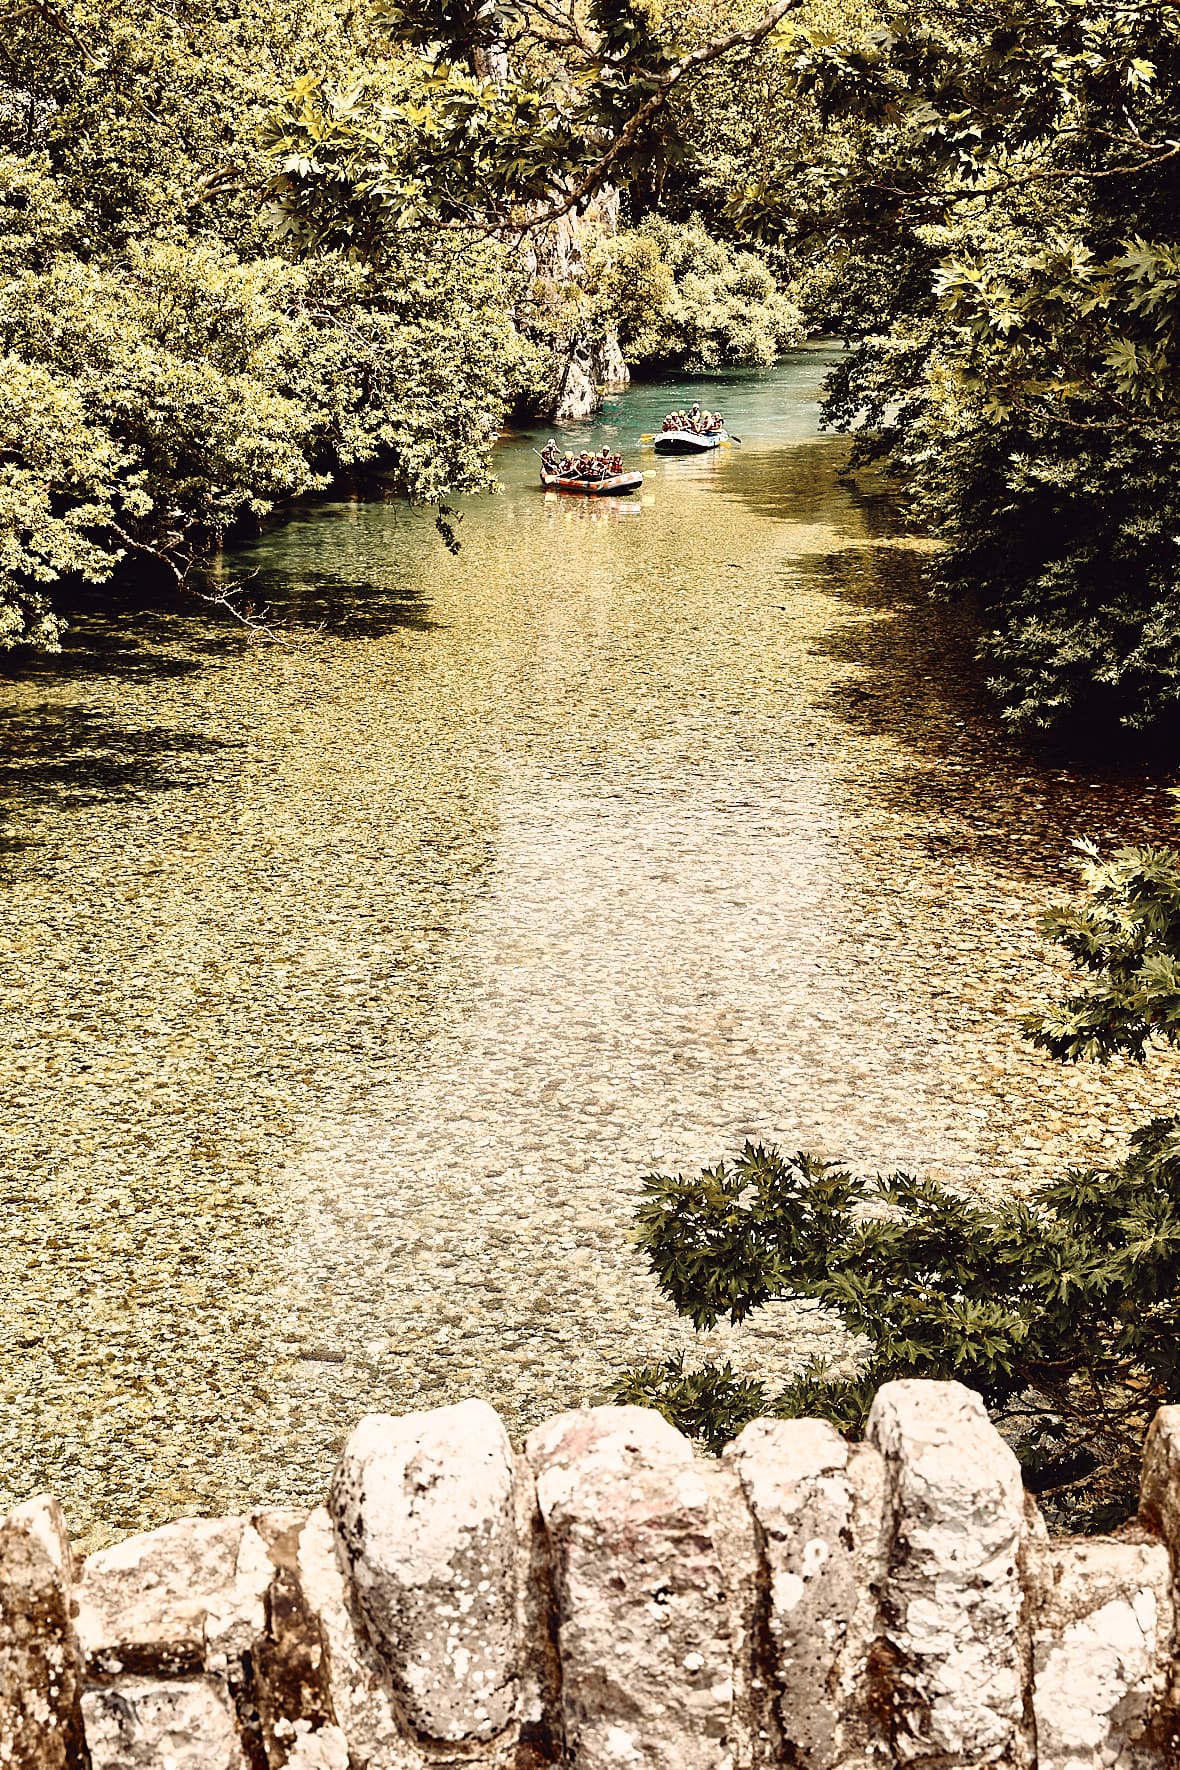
x,y
606,1599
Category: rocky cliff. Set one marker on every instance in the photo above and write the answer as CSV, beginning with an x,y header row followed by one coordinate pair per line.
x,y
587,364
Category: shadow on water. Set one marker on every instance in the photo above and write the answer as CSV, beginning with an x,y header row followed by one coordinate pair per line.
x,y
352,569
950,770
337,605
70,758
142,634
137,634
966,781
803,483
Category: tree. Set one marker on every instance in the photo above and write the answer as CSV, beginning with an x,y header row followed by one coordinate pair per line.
x,y
1126,936
1023,383
680,299
168,369
986,195
582,95
1063,1310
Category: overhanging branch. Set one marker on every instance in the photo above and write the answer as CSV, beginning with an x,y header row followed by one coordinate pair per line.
x,y
627,137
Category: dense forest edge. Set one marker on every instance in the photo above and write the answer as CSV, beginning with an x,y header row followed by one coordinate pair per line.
x,y
250,247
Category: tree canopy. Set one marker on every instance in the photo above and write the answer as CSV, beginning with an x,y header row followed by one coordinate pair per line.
x,y
167,370
982,197
985,197
1030,399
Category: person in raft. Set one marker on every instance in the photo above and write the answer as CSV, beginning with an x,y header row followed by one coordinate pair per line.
x,y
604,465
698,422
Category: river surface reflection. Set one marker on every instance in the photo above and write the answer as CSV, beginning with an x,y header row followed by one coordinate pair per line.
x,y
353,985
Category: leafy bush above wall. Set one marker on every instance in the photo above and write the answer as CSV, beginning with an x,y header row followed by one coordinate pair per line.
x,y
1062,1309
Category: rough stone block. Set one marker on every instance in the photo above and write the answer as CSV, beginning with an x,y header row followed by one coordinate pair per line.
x,y
819,1506
424,1509
1159,1510
162,1724
324,1748
289,1685
185,1598
952,1601
754,1735
644,1629
538,1703
40,1667
1102,1622
358,1693
1159,1503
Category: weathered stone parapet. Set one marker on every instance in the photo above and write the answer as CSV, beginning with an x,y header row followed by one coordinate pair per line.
x,y
607,1599
1101,1619
951,1614
425,1517
1159,1513
818,1505
40,1666
641,1599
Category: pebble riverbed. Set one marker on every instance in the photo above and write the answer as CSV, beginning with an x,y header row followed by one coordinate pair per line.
x,y
350,987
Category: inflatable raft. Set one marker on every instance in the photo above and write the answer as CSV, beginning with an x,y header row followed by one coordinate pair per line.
x,y
687,442
593,488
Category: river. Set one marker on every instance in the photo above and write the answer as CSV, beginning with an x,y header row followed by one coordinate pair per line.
x,y
352,984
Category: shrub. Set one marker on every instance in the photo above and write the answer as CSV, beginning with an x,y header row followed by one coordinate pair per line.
x,y
1062,1310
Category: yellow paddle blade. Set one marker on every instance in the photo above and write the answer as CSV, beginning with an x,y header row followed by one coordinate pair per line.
x,y
648,436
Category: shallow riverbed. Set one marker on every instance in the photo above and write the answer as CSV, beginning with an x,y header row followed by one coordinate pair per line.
x,y
351,986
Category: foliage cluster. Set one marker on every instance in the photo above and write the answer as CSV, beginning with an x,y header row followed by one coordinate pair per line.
x,y
680,299
1062,1309
1022,378
1125,937
167,367
985,195
516,114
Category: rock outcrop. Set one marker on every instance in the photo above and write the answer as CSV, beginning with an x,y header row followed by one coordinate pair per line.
x,y
588,365
590,368
606,1599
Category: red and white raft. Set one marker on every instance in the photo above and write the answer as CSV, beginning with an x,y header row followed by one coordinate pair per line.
x,y
612,487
